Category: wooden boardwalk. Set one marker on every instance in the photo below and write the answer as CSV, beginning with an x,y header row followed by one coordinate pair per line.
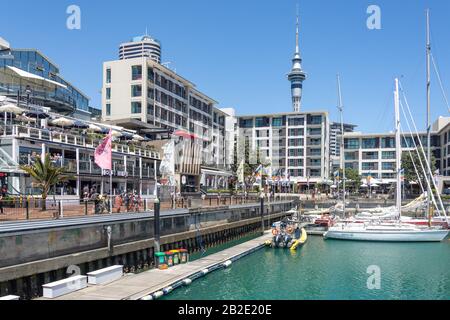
x,y
136,286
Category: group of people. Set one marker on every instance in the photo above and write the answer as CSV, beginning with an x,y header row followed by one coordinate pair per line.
x,y
3,194
130,200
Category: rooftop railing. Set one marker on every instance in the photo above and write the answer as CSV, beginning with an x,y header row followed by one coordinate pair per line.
x,y
54,135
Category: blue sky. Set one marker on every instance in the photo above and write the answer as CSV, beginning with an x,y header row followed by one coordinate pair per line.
x,y
239,52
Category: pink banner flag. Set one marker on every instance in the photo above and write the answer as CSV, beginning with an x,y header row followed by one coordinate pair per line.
x,y
103,153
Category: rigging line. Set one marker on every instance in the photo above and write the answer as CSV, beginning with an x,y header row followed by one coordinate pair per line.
x,y
419,157
422,149
440,82
413,162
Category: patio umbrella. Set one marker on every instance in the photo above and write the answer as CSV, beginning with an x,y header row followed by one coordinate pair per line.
x,y
95,128
11,108
80,124
126,136
138,137
115,133
24,118
37,114
62,122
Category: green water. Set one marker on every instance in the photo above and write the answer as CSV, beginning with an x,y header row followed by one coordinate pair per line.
x,y
330,270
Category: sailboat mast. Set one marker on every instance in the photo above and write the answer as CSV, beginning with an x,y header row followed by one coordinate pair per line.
x,y
428,49
398,150
341,109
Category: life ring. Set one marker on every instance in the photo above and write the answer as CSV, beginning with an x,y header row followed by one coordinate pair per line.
x,y
274,232
290,230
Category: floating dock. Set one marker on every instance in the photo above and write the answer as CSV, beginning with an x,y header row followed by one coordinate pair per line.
x,y
151,284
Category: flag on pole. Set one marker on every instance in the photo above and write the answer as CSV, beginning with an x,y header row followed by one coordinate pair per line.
x,y
103,153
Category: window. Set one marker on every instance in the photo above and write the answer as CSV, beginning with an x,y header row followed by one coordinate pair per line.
x,y
370,143
108,75
108,109
315,152
315,131
388,166
136,90
262,122
370,155
296,142
369,166
296,152
387,142
407,142
388,155
136,107
314,119
351,156
351,144
296,121
136,73
296,132
246,123
108,93
277,122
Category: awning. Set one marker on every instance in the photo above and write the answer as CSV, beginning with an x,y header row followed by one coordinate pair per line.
x,y
35,78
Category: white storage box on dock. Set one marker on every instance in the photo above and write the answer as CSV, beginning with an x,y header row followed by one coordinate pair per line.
x,y
65,286
10,297
105,275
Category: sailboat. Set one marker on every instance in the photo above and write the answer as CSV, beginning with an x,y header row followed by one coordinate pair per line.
x,y
378,230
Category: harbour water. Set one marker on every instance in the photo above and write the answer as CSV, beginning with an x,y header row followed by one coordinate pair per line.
x,y
332,270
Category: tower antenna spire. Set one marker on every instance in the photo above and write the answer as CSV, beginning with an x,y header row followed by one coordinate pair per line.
x,y
296,33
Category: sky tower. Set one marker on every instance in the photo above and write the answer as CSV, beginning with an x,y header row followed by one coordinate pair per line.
x,y
296,76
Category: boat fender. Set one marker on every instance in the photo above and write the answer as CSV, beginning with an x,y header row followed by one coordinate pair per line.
x,y
204,271
187,281
227,263
167,290
147,298
158,294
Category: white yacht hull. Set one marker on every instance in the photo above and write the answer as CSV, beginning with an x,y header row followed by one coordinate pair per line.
x,y
387,234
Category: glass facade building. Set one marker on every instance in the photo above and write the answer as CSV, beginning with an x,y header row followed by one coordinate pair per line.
x,y
62,99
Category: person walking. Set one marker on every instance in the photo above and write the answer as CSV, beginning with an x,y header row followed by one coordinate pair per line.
x,y
118,202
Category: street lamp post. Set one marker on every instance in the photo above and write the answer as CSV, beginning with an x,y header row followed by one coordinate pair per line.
x,y
261,199
156,226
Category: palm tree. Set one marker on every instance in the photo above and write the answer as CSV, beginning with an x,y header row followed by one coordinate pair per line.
x,y
45,175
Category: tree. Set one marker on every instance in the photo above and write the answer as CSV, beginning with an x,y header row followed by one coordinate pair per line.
x,y
408,166
352,177
45,175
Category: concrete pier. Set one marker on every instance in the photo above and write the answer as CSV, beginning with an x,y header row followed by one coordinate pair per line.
x,y
136,286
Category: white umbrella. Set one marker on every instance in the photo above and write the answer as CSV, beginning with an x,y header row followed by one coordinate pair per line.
x,y
374,185
62,122
25,118
116,133
138,137
95,128
364,186
11,108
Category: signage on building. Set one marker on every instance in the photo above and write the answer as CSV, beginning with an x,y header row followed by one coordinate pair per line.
x,y
122,174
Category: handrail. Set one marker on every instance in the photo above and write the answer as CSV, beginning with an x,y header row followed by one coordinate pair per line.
x,y
85,141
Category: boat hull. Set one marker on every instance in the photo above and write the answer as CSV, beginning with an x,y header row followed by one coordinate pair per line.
x,y
388,236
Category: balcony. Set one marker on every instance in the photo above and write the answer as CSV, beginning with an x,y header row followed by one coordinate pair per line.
x,y
19,131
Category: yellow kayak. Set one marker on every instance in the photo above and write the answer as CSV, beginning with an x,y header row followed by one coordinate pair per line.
x,y
300,241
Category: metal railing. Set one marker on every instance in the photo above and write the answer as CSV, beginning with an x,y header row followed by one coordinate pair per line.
x,y
31,207
54,135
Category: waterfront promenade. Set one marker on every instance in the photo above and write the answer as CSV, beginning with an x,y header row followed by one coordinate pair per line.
x,y
137,286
